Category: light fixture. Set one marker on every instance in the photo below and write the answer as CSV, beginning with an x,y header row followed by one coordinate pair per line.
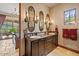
x,y
52,22
26,18
45,21
36,19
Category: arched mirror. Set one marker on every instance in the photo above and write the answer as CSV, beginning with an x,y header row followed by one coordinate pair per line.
x,y
31,19
47,21
41,21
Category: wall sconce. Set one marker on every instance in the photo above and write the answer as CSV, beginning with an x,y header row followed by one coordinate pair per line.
x,y
52,22
36,19
26,18
45,21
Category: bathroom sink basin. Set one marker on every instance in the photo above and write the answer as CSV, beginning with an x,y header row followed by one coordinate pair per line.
x,y
35,37
41,36
51,33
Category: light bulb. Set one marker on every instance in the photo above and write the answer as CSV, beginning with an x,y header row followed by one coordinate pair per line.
x,y
27,14
37,18
52,22
44,21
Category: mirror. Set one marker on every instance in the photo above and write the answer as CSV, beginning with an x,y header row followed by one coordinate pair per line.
x,y
47,22
31,19
41,21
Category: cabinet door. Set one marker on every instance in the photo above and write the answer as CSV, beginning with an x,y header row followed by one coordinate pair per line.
x,y
48,45
54,41
41,47
34,50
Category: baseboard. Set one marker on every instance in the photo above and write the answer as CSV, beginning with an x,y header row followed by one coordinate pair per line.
x,y
69,48
21,55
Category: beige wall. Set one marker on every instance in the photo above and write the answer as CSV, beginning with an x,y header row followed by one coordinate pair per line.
x,y
38,8
57,15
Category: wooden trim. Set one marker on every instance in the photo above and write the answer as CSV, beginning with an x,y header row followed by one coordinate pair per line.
x,y
69,48
19,29
20,38
23,55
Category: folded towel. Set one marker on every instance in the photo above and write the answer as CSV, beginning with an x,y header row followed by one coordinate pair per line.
x,y
73,34
65,33
70,34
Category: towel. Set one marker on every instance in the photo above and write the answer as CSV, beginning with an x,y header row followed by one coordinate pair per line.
x,y
65,33
73,34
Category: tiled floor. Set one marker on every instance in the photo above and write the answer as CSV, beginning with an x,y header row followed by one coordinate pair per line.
x,y
59,51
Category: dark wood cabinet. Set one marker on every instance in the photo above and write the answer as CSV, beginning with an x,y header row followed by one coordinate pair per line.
x,y
48,45
42,46
34,50
56,40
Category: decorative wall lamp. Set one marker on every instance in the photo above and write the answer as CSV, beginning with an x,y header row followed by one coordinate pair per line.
x,y
45,21
36,19
52,22
26,18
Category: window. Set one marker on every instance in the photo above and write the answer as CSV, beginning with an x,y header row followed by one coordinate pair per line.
x,y
70,16
8,25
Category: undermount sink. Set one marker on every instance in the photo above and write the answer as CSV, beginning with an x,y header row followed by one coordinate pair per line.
x,y
35,37
41,36
51,33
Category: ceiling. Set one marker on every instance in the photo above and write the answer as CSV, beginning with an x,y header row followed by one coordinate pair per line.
x,y
13,8
9,8
50,4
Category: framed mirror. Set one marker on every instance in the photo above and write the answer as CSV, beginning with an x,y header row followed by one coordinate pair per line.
x,y
41,21
47,21
31,19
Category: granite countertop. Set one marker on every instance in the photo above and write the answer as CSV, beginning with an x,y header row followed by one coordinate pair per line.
x,y
32,38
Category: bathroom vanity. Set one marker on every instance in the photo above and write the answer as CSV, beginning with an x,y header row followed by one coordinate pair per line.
x,y
40,45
